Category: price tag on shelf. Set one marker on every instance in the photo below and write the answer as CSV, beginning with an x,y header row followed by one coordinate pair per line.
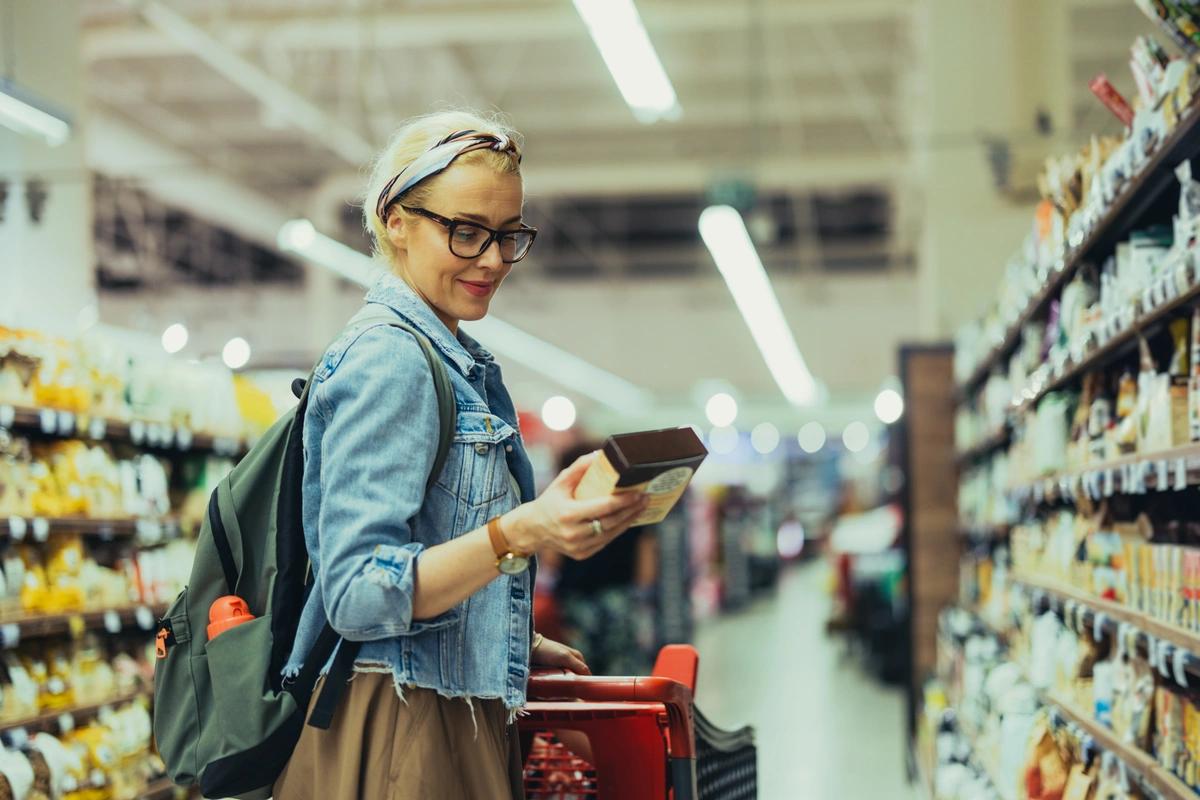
x,y
1179,664
112,622
145,618
97,428
76,626
1161,478
66,423
137,431
153,434
1098,621
66,722
1108,482
8,416
41,529
183,438
10,635
19,737
48,419
1180,474
16,528
1164,651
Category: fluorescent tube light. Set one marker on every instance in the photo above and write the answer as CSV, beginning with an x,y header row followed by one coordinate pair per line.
x,y
560,366
300,237
22,112
724,233
616,28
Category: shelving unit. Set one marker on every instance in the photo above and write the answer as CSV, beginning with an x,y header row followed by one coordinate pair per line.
x,y
1117,346
14,630
1179,638
67,718
1122,216
153,436
1123,480
39,528
995,441
1153,773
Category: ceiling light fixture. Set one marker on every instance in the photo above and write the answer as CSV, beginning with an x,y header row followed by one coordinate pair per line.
x,y
27,115
726,237
617,30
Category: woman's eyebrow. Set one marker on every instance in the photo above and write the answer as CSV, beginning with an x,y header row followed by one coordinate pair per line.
x,y
483,220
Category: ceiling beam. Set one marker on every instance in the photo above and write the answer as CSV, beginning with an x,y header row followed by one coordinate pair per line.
x,y
480,25
280,99
595,118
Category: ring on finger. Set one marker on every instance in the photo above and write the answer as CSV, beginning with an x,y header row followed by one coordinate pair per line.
x,y
597,528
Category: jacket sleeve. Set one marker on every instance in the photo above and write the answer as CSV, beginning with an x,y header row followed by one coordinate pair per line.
x,y
377,450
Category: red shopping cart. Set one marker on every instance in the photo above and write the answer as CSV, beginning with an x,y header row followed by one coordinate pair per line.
x,y
632,738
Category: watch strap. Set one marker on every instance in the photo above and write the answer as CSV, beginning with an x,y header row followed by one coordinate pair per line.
x,y
500,544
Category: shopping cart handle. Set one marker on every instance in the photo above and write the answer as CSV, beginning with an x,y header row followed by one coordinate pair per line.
x,y
675,697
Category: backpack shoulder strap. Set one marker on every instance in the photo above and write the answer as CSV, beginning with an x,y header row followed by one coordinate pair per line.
x,y
373,313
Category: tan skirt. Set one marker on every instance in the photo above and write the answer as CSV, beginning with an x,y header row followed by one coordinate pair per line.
x,y
424,747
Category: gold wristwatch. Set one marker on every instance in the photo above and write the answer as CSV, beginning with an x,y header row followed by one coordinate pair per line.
x,y
508,561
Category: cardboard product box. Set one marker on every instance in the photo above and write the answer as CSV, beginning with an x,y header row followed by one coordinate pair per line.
x,y
660,463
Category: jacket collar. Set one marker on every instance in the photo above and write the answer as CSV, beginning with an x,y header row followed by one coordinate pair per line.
x,y
464,352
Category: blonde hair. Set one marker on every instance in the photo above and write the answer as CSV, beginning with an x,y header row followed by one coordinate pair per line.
x,y
414,138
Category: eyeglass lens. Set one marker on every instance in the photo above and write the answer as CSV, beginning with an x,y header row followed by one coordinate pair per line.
x,y
469,241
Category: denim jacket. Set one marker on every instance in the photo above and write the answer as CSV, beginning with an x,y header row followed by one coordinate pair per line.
x,y
370,435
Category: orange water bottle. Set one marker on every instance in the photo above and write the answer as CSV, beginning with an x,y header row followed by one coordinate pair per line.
x,y
227,612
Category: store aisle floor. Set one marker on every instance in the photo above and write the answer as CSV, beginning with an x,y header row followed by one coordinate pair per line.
x,y
826,730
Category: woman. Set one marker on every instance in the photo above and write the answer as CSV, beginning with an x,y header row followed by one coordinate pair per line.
x,y
435,584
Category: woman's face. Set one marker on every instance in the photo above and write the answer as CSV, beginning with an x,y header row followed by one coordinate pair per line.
x,y
457,288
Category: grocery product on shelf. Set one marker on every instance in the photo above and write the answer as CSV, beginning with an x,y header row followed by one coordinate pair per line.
x,y
106,375
108,454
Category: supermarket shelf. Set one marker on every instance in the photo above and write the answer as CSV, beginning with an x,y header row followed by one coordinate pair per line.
x,y
1122,216
1178,637
39,528
148,435
1184,44
982,764
996,441
55,722
13,630
1119,345
1150,465
1153,773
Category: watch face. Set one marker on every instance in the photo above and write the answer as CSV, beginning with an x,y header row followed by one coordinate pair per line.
x,y
513,564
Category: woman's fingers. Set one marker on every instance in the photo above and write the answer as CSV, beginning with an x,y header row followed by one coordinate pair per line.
x,y
600,507
570,477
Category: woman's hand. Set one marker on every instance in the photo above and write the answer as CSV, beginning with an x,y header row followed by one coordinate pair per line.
x,y
550,653
556,520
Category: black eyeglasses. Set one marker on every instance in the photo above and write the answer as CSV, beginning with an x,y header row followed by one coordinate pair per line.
x,y
470,239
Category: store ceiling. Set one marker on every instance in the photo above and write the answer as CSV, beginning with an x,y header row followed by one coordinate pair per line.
x,y
811,101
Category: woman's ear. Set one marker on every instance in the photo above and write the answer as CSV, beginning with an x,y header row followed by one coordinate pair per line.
x,y
397,232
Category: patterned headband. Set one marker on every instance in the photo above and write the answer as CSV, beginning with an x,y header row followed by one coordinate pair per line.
x,y
437,159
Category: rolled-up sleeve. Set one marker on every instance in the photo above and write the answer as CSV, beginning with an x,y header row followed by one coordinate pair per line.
x,y
377,449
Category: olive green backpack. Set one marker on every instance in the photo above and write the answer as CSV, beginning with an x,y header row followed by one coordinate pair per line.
x,y
224,717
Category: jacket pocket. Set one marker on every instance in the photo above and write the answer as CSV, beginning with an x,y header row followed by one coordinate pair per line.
x,y
476,471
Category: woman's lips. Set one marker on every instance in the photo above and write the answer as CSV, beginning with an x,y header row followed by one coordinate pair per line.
x,y
479,289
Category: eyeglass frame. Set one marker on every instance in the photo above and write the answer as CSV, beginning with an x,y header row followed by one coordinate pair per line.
x,y
494,235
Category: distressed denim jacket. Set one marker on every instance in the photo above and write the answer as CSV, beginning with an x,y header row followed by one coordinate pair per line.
x,y
370,435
